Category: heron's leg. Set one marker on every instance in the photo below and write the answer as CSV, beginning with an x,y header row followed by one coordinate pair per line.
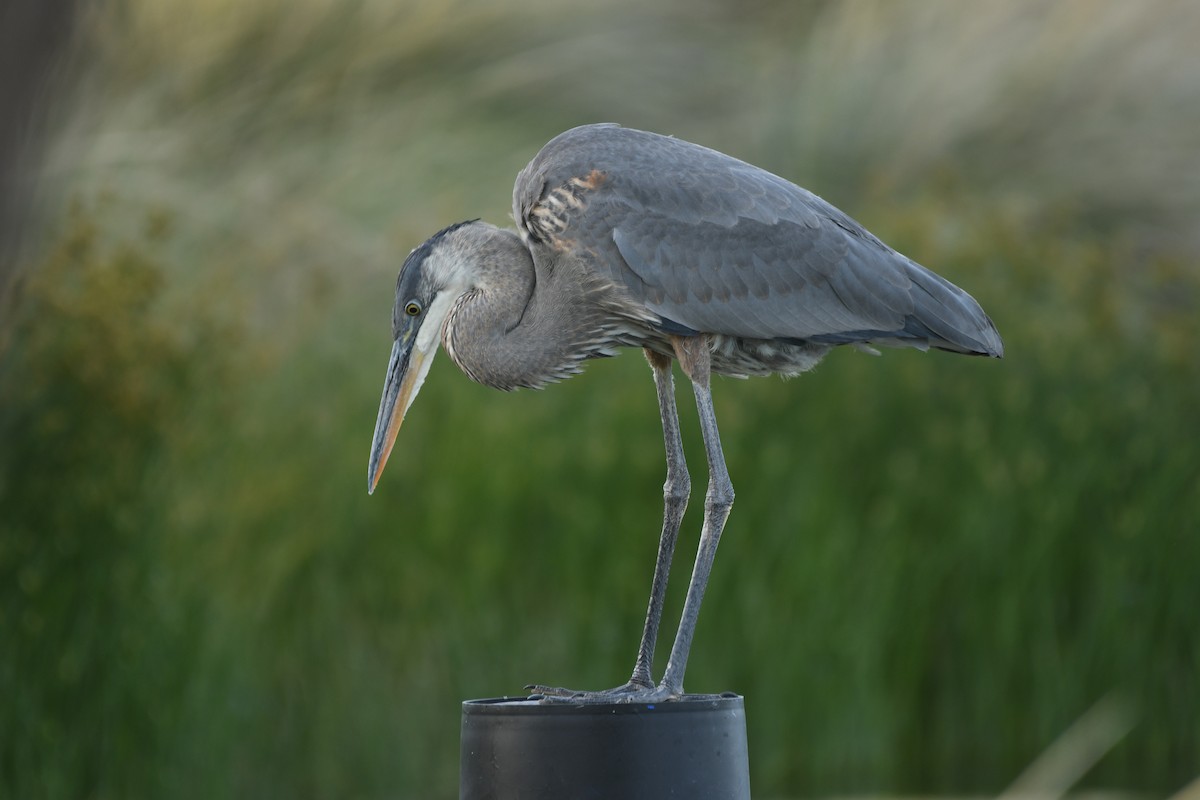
x,y
694,358
676,490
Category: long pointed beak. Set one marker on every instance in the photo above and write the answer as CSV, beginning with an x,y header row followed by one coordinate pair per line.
x,y
406,371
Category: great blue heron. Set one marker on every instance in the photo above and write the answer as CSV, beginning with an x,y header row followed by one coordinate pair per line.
x,y
632,239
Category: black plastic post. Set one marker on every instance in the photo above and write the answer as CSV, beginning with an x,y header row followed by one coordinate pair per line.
x,y
693,748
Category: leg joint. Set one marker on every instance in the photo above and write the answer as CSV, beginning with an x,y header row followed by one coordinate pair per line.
x,y
719,497
677,488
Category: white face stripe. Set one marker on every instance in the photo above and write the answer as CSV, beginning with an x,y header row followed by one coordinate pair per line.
x,y
444,268
435,316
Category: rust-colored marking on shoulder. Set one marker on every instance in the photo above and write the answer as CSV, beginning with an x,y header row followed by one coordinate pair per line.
x,y
551,215
591,181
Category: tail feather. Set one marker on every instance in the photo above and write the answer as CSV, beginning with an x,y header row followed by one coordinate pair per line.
x,y
949,317
943,316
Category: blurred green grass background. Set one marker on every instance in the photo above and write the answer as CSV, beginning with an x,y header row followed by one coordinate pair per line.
x,y
935,564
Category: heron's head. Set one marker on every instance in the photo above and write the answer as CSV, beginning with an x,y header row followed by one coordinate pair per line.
x,y
433,276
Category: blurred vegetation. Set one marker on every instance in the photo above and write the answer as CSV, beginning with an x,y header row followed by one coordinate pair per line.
x,y
935,566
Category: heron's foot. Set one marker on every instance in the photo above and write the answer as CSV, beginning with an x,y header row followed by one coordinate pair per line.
x,y
631,692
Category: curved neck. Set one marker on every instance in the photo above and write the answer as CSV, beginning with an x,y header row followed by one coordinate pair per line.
x,y
510,328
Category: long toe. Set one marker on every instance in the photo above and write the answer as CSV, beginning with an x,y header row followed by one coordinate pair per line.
x,y
542,691
627,693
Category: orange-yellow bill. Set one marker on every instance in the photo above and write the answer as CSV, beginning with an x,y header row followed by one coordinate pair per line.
x,y
406,371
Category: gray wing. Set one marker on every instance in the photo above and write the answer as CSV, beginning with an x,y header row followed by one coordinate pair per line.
x,y
712,244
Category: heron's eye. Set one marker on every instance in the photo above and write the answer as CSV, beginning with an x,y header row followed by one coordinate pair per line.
x,y
413,308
